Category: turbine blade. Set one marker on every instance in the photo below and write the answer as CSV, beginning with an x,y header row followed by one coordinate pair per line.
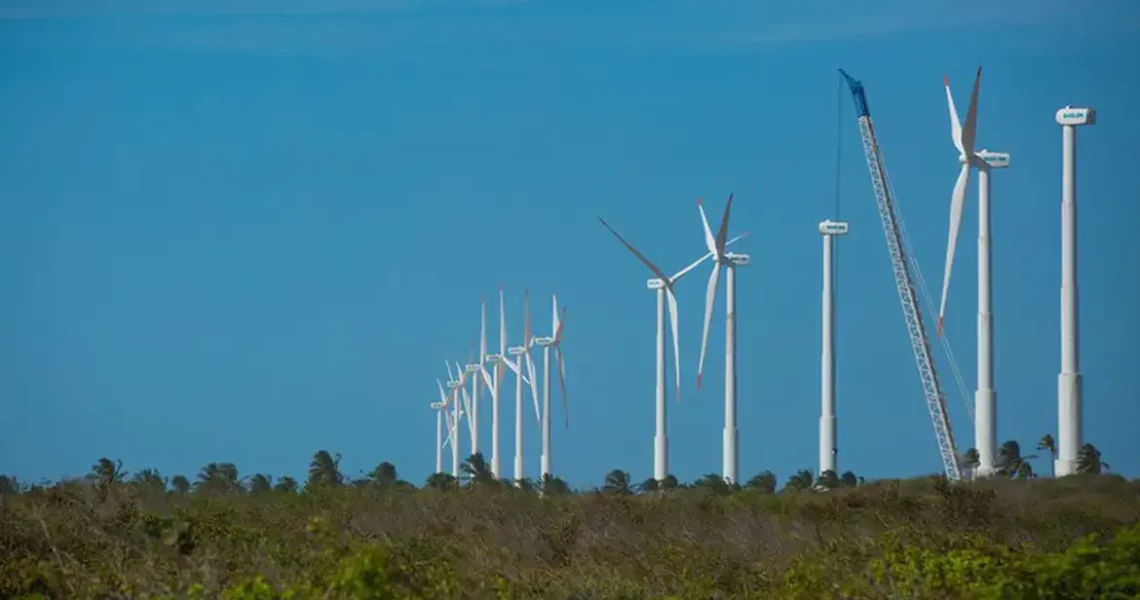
x,y
450,376
487,378
558,330
652,267
526,317
562,384
502,325
710,241
483,330
957,203
955,124
710,299
554,312
722,233
702,259
511,365
533,389
442,395
970,127
676,340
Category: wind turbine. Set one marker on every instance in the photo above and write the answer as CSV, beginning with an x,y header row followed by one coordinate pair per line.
x,y
663,285
730,261
828,442
440,408
455,385
493,382
553,343
1069,404
473,368
985,398
523,354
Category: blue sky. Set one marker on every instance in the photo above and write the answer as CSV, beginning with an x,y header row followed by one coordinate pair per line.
x,y
247,231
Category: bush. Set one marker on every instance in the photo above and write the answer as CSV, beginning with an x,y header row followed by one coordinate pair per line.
x,y
917,539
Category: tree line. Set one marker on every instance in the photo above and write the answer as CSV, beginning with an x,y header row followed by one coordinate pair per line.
x,y
324,471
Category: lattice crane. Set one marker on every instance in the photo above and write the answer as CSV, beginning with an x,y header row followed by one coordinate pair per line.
x,y
919,340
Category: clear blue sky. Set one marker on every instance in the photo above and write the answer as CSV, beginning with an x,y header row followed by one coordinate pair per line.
x,y
245,234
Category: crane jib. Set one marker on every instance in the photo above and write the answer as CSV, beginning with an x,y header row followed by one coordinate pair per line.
x,y
904,282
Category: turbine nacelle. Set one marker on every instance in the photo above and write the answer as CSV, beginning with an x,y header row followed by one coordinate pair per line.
x,y
437,405
655,284
834,228
544,341
516,350
494,358
1076,116
737,260
994,160
473,368
453,384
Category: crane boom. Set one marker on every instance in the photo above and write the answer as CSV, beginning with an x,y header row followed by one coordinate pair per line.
x,y
919,340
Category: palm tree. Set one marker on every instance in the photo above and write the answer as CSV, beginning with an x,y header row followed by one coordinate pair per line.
x,y
221,478
669,483
286,484
969,462
105,472
476,470
441,481
848,479
828,480
648,486
714,483
617,482
554,486
763,482
384,475
802,480
149,479
1047,444
180,484
1089,461
1011,463
260,483
324,470
9,485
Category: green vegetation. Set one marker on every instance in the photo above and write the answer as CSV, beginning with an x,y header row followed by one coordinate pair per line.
x,y
120,535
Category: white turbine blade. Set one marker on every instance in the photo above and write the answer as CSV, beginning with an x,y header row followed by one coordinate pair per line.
x,y
957,203
652,267
562,383
558,328
702,259
487,379
533,388
710,299
502,326
970,127
467,410
483,331
511,365
442,395
722,233
450,376
554,312
955,124
710,241
676,340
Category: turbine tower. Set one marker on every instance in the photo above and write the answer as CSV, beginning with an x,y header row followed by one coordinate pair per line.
x,y
985,398
523,354
828,441
663,286
1069,407
440,408
716,246
492,381
550,344
455,385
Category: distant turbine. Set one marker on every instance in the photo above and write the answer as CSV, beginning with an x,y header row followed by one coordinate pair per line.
x,y
663,285
1069,401
548,344
523,354
440,408
730,261
455,385
828,439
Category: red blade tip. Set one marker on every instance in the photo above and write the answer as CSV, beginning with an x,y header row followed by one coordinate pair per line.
x,y
698,380
939,326
698,200
945,81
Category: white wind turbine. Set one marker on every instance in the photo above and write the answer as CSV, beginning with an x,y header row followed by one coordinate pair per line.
x,y
493,382
549,344
730,261
985,398
663,285
440,409
523,354
455,385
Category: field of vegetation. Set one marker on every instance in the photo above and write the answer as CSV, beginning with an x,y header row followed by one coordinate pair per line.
x,y
119,535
